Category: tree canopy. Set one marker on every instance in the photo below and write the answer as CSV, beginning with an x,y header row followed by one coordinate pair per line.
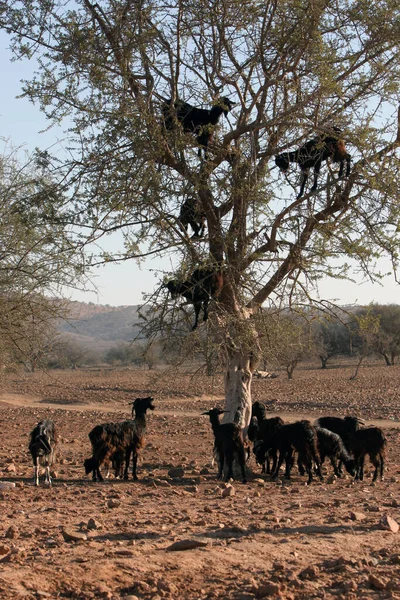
x,y
295,69
38,257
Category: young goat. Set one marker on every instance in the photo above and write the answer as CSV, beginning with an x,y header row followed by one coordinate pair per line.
x,y
369,441
331,445
203,285
191,214
42,445
199,121
111,440
346,428
312,154
228,441
262,429
299,437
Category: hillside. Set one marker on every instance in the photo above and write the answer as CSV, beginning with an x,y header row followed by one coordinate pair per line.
x,y
91,323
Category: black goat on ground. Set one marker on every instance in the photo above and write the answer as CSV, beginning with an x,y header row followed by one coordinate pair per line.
x,y
312,154
369,441
192,214
345,427
200,121
299,437
331,445
262,429
203,285
228,441
111,440
42,445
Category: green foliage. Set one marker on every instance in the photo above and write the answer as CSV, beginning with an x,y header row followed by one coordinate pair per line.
x,y
295,69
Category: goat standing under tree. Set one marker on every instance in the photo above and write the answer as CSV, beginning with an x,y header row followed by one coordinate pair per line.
x,y
42,446
125,173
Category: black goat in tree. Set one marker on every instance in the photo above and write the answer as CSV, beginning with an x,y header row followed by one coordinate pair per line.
x,y
313,153
204,284
200,121
192,214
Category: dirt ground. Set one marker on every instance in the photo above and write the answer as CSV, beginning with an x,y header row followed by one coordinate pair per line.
x,y
270,539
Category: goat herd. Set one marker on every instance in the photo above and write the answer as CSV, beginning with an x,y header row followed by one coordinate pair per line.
x,y
342,440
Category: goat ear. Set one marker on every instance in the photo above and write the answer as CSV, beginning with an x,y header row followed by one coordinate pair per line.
x,y
205,413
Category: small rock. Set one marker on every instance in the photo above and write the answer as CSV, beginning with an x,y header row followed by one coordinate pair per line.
x,y
186,545
310,572
5,485
228,491
389,523
357,516
73,536
395,559
376,583
93,524
267,589
176,472
11,468
112,503
4,549
11,533
167,586
205,471
161,483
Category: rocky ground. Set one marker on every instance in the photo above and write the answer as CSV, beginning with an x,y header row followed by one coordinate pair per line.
x,y
116,539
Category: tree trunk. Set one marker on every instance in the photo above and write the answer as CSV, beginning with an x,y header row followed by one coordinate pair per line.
x,y
238,378
324,360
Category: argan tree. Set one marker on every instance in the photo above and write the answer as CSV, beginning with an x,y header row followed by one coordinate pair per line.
x,y
295,69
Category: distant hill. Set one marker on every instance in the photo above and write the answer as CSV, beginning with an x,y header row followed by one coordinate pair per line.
x,y
93,324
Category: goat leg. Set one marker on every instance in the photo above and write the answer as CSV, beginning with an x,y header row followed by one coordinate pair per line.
x,y
304,178
242,463
317,168
134,466
382,457
197,309
335,467
229,461
127,459
48,480
278,466
220,465
36,470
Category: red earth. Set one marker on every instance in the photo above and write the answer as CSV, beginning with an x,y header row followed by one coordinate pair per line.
x,y
80,539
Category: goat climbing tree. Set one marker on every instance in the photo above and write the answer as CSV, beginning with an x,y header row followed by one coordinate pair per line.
x,y
294,68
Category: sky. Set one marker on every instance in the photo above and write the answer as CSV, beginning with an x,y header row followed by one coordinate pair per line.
x,y
24,126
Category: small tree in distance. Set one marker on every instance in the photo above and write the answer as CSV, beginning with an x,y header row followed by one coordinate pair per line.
x,y
386,340
294,69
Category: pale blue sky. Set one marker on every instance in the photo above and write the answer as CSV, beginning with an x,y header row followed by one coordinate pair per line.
x,y
21,123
